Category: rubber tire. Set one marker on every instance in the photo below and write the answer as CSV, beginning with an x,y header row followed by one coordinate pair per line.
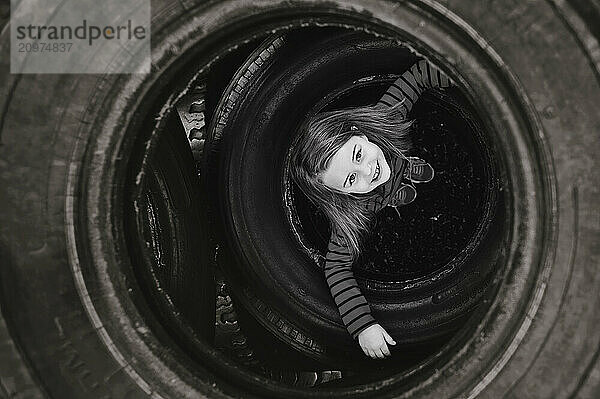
x,y
269,95
554,351
64,352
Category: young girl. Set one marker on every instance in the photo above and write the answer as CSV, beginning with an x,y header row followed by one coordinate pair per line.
x,y
350,163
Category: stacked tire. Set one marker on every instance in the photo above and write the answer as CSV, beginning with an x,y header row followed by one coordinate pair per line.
x,y
78,324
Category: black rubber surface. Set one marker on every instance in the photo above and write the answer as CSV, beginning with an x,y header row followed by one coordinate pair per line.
x,y
260,253
531,65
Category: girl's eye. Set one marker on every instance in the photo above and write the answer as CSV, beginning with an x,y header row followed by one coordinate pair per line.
x,y
352,178
359,155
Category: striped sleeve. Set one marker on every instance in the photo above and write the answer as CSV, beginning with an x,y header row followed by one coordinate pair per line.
x,y
352,305
409,86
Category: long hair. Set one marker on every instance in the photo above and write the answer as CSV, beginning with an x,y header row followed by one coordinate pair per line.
x,y
320,137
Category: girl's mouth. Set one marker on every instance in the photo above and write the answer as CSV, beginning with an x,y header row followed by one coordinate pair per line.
x,y
377,173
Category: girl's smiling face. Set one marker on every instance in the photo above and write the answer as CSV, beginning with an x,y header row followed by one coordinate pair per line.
x,y
358,167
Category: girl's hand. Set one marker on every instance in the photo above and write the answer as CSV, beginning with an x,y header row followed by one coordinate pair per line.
x,y
373,339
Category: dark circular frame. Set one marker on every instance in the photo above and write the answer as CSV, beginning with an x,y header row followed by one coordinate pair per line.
x,y
94,211
262,260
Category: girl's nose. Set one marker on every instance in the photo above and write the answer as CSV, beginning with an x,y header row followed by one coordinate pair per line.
x,y
366,168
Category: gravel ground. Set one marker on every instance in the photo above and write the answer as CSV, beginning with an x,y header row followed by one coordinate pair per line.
x,y
426,234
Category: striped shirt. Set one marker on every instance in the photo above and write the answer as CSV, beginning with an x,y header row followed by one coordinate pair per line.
x,y
352,305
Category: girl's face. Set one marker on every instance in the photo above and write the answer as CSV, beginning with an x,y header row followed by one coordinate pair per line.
x,y
358,167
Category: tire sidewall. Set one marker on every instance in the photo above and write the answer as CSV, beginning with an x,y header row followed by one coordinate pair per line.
x,y
70,155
